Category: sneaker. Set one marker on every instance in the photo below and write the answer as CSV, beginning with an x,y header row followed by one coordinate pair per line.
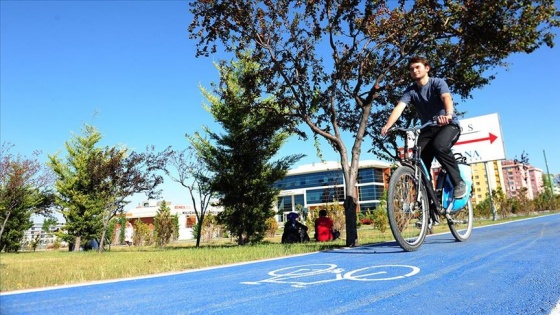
x,y
435,222
460,190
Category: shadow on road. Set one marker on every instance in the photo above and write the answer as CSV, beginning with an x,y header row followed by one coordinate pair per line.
x,y
390,247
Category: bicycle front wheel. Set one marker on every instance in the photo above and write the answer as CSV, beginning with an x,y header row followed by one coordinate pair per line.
x,y
461,223
407,209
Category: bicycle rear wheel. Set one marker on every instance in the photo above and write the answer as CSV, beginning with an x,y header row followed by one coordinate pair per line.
x,y
407,209
461,223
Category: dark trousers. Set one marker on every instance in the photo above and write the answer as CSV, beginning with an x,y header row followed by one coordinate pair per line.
x,y
437,142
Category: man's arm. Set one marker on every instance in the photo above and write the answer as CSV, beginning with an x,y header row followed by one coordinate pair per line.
x,y
395,114
448,104
449,109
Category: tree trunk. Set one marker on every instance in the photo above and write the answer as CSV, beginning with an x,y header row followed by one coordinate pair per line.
x,y
102,240
351,228
350,172
4,223
198,234
199,228
77,241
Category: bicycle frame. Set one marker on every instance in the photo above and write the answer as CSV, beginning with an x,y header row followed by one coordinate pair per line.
x,y
421,171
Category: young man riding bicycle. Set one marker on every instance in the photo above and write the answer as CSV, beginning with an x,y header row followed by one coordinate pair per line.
x,y
431,98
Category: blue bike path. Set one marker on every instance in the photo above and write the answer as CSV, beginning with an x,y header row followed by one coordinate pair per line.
x,y
511,268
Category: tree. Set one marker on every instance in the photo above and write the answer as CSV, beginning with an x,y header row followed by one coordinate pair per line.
x,y
24,191
94,182
75,188
143,234
191,173
119,174
239,160
339,66
164,225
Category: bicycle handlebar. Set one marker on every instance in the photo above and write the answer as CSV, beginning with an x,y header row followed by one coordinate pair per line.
x,y
428,124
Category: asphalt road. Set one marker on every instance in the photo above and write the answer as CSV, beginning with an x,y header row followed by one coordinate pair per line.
x,y
511,268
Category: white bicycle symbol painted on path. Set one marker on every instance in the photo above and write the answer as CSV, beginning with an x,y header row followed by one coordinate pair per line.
x,y
305,275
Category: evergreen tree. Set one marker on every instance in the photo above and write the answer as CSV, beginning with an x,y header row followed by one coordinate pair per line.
x,y
164,225
76,192
240,160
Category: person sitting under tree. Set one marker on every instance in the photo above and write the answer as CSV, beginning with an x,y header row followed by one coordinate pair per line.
x,y
324,227
294,231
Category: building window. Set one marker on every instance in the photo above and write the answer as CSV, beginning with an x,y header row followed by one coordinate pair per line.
x,y
299,200
324,195
370,175
370,192
311,180
191,221
364,207
285,204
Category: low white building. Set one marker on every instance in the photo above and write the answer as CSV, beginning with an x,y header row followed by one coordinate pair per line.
x,y
147,210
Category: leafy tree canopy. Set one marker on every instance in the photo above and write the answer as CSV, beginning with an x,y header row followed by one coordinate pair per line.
x,y
24,191
328,61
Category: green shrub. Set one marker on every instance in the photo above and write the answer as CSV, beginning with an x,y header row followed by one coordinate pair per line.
x,y
380,219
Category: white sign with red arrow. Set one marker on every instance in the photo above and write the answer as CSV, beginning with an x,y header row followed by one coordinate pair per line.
x,y
481,139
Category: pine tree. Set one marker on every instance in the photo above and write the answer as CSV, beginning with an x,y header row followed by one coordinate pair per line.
x,y
76,192
165,225
240,159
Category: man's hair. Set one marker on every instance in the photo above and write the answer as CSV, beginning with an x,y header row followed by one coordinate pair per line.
x,y
323,213
418,59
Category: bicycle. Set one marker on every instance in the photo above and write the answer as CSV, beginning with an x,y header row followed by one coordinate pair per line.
x,y
414,205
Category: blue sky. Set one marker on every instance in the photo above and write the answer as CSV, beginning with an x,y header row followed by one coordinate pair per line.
x,y
128,68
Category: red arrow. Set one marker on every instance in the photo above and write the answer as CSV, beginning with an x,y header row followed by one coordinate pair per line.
x,y
491,137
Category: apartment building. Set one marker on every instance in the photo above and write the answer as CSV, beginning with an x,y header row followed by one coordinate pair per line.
x,y
45,239
519,176
487,176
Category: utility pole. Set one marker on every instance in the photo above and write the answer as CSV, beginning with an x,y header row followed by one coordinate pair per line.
x,y
548,174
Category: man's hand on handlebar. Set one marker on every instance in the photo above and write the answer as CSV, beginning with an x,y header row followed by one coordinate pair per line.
x,y
385,130
443,120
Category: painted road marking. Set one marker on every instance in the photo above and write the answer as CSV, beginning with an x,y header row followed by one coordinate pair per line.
x,y
313,274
